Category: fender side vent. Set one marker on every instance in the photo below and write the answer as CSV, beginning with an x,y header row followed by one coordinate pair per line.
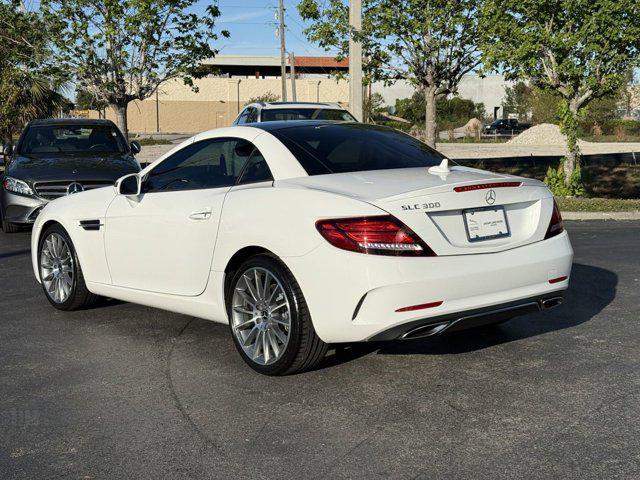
x,y
90,224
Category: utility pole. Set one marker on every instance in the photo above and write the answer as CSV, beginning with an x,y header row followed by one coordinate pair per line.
x,y
283,53
292,66
355,60
157,112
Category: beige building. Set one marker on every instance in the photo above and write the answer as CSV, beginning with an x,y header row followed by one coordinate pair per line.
x,y
235,81
178,109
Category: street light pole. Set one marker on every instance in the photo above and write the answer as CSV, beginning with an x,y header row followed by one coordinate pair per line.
x,y
355,60
283,53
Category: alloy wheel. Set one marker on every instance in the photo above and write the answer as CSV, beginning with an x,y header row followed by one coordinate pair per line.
x,y
261,315
56,268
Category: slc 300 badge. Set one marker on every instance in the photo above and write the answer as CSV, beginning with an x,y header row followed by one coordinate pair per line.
x,y
421,206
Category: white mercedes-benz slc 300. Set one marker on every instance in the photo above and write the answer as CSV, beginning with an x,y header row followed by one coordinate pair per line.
x,y
305,234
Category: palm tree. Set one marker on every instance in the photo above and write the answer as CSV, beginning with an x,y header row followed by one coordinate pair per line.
x,y
25,96
29,82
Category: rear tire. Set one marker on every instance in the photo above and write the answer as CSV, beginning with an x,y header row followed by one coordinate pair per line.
x,y
60,272
269,320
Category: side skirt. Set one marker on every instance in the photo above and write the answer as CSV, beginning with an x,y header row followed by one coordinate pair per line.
x,y
209,305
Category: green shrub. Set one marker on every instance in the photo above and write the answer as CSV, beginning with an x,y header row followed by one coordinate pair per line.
x,y
555,180
610,126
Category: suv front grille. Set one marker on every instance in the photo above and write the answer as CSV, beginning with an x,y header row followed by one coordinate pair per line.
x,y
52,190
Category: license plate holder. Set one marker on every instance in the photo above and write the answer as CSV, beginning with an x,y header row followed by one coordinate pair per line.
x,y
486,223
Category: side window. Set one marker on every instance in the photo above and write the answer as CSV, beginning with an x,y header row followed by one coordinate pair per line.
x,y
252,115
207,164
242,118
256,170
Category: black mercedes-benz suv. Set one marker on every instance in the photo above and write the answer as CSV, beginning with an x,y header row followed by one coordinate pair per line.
x,y
57,157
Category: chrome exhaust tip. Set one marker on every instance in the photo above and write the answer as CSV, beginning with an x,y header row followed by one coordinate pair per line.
x,y
425,331
551,302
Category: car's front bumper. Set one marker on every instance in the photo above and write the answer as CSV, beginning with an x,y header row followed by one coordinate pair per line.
x,y
355,297
20,209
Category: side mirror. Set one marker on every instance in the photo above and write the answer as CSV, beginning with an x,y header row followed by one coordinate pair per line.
x,y
135,147
129,184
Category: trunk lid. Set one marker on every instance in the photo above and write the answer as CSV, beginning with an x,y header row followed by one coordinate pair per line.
x,y
429,205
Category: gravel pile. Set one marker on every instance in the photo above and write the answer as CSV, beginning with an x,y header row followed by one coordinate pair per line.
x,y
543,134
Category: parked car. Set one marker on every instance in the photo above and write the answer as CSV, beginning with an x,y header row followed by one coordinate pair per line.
x,y
280,111
506,126
302,234
57,157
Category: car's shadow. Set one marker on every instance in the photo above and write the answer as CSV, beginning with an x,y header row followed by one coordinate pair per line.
x,y
16,253
591,290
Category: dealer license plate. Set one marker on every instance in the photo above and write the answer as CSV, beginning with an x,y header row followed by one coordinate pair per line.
x,y
486,223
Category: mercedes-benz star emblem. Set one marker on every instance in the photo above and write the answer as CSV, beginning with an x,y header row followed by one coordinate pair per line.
x,y
490,197
74,187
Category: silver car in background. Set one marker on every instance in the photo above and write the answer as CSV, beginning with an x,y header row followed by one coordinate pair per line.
x,y
278,111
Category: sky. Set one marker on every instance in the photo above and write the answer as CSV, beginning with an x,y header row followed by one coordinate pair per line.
x,y
253,23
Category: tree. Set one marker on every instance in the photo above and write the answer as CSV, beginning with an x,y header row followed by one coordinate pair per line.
x,y
373,104
122,50
579,49
517,100
456,112
451,112
265,97
545,106
431,44
28,81
86,101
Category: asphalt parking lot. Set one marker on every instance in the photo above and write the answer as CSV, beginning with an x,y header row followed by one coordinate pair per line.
x,y
124,391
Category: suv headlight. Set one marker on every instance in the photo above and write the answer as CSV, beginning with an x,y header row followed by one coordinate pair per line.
x,y
16,186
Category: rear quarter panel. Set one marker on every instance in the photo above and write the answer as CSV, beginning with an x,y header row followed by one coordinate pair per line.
x,y
281,220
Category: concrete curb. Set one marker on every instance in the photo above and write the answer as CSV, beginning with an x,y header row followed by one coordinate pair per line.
x,y
601,215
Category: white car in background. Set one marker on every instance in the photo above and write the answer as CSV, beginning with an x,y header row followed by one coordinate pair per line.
x,y
304,234
286,111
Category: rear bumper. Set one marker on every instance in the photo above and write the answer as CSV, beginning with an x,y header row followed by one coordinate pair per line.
x,y
354,297
454,322
20,209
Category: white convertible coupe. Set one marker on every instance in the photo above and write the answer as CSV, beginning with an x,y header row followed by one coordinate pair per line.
x,y
303,234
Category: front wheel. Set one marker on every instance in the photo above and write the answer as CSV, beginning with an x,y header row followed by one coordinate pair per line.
x,y
60,273
269,319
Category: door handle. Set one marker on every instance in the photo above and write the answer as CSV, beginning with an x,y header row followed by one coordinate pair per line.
x,y
203,215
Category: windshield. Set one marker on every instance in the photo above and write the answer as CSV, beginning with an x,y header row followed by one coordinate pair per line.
x,y
72,140
355,147
272,115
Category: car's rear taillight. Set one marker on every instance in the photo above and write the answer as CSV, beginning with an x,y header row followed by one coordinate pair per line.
x,y
555,225
379,235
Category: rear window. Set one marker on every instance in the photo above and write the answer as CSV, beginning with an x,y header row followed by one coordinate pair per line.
x,y
279,114
341,148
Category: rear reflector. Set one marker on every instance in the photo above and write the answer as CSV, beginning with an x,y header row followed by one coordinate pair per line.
x,y
378,235
482,186
558,280
419,307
